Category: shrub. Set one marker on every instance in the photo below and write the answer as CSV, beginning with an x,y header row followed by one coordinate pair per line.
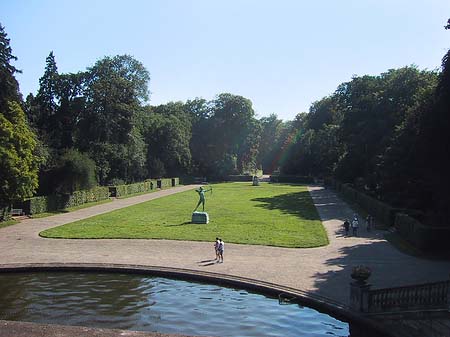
x,y
240,177
145,186
421,236
382,212
56,202
291,179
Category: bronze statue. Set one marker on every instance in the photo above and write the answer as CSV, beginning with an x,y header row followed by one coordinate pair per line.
x,y
201,194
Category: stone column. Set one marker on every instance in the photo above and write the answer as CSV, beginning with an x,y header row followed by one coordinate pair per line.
x,y
359,296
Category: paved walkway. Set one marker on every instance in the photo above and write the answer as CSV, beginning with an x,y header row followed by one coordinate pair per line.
x,y
324,271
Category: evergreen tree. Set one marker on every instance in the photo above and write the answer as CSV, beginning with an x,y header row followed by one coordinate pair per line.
x,y
46,98
9,87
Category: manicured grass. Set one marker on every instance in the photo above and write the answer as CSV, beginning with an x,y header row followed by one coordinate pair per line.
x,y
270,214
71,209
8,223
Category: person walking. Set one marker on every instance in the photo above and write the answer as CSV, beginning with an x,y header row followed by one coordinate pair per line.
x,y
346,227
355,225
221,249
369,222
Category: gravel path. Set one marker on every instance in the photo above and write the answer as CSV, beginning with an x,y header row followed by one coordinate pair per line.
x,y
324,271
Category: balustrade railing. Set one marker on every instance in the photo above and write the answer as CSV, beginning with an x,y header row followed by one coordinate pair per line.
x,y
417,297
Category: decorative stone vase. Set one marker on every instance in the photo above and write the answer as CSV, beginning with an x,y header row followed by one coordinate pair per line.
x,y
361,274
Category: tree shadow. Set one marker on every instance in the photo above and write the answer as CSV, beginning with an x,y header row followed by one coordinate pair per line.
x,y
390,267
296,203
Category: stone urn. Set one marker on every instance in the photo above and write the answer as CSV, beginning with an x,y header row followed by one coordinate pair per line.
x,y
360,274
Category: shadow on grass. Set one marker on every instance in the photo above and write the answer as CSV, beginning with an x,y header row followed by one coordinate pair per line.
x,y
182,224
297,203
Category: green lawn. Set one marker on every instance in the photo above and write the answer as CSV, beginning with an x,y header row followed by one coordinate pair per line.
x,y
8,223
271,214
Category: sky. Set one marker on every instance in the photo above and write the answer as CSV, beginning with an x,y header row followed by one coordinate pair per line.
x,y
283,54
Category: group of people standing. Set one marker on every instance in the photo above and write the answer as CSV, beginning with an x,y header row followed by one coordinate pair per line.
x,y
354,224
219,248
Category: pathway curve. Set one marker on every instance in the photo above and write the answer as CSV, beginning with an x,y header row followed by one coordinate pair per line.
x,y
324,271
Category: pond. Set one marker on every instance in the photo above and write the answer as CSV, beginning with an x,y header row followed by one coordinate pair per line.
x,y
146,303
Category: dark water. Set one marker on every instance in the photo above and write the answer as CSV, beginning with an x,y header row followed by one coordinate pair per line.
x,y
137,302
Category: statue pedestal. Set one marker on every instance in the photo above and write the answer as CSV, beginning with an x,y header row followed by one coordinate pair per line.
x,y
200,217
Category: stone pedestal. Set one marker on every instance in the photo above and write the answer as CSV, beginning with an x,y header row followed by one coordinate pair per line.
x,y
359,296
200,217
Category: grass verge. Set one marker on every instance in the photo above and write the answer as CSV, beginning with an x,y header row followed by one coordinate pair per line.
x,y
8,223
270,214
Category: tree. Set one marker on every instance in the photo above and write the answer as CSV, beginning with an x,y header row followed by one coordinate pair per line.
x,y
114,89
167,134
46,98
435,134
372,107
199,111
233,131
18,163
75,171
9,87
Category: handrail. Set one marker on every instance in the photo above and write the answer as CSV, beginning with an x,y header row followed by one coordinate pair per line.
x,y
424,296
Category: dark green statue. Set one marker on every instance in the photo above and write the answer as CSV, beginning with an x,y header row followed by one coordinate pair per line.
x,y
201,193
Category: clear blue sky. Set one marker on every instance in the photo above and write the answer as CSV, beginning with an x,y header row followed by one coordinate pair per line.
x,y
283,55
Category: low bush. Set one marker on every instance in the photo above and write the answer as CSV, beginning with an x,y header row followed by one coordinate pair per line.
x,y
56,202
291,179
426,238
240,177
383,213
145,186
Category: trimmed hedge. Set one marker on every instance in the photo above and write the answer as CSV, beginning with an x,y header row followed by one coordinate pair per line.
x,y
56,202
292,179
175,181
122,190
145,186
424,237
240,177
4,214
383,213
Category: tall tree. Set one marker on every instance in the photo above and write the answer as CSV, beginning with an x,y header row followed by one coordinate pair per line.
x,y
18,163
232,122
168,133
115,87
269,145
9,87
46,98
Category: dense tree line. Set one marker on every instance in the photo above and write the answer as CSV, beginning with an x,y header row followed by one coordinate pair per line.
x,y
101,114
96,127
387,134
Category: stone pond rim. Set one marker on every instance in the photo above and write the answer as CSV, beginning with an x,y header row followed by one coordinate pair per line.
x,y
322,304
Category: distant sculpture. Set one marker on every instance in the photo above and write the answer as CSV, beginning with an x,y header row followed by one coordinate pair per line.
x,y
201,194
